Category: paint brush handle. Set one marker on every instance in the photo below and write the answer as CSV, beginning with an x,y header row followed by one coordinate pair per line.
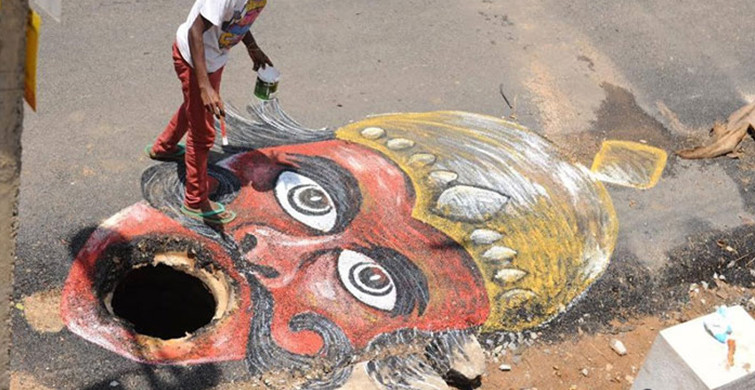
x,y
222,130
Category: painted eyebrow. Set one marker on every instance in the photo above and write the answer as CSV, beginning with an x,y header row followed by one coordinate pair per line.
x,y
340,184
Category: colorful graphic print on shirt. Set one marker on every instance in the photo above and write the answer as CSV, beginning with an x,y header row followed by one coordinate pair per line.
x,y
235,29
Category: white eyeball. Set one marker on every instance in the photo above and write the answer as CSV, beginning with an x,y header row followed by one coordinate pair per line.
x,y
306,201
366,280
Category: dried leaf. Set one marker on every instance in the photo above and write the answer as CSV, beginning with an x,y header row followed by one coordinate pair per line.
x,y
718,130
725,137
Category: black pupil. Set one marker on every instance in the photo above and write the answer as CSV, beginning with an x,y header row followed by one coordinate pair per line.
x,y
374,278
313,199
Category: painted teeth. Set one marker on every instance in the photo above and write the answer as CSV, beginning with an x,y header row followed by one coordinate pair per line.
x,y
499,253
399,144
422,159
373,133
485,236
469,204
509,275
518,295
442,178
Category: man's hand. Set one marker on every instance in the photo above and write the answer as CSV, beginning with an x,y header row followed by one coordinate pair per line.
x,y
259,58
255,53
211,100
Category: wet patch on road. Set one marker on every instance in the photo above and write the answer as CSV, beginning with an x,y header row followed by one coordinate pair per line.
x,y
619,117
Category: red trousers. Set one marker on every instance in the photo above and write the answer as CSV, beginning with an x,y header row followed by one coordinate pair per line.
x,y
194,119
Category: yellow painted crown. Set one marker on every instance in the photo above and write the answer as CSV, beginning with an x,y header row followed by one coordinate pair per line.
x,y
539,228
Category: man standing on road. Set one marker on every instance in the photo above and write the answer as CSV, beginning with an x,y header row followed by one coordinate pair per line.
x,y
199,55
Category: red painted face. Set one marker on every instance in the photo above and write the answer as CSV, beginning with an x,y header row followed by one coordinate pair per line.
x,y
331,225
326,229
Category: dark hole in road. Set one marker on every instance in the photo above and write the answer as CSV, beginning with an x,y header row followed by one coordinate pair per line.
x,y
163,302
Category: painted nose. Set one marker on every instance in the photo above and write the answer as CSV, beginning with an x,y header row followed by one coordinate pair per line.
x,y
277,257
248,243
376,276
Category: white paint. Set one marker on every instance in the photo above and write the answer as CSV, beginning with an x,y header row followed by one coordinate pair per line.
x,y
485,236
470,203
350,264
574,178
510,275
399,144
290,185
324,288
373,133
595,260
422,159
625,174
518,293
442,178
499,253
273,236
136,212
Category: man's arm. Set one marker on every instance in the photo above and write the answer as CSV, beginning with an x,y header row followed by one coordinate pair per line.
x,y
210,97
255,53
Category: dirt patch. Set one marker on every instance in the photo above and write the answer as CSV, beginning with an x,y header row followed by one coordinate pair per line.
x,y
586,361
23,381
42,311
558,115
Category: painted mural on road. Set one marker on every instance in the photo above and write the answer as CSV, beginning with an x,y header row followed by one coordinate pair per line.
x,y
390,241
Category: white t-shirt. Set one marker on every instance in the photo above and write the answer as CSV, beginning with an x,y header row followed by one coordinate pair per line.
x,y
230,19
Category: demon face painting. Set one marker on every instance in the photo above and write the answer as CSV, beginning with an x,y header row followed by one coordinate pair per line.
x,y
390,241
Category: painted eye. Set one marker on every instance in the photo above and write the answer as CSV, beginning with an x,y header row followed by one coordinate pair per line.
x,y
305,201
366,280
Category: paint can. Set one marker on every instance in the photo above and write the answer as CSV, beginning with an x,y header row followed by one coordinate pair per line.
x,y
267,83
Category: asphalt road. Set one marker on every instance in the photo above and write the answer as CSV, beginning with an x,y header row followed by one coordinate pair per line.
x,y
577,72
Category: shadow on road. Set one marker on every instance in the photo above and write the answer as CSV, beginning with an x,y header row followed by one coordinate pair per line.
x,y
162,378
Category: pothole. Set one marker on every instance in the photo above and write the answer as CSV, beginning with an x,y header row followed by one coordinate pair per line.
x,y
162,301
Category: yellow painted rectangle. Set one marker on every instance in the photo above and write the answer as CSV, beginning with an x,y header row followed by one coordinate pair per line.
x,y
629,164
